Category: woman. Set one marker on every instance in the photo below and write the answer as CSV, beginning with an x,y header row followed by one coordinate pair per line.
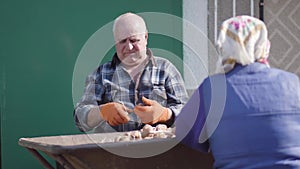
x,y
257,124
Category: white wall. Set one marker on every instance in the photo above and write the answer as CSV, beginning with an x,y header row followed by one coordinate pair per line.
x,y
195,49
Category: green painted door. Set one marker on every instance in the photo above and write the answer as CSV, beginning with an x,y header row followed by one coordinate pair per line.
x,y
40,42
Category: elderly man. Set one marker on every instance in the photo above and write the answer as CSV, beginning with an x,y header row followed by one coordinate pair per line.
x,y
133,89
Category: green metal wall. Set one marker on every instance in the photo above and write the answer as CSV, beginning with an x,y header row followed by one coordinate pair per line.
x,y
39,44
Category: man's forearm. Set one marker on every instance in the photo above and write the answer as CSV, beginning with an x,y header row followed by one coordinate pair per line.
x,y
93,117
87,117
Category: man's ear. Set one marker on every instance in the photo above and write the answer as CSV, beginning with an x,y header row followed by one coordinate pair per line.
x,y
146,37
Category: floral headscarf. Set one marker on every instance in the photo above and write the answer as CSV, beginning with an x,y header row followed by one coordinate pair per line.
x,y
243,40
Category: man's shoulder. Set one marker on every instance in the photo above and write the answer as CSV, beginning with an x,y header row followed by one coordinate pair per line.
x,y
162,61
106,64
105,67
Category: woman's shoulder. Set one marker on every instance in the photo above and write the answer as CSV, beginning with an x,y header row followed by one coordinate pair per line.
x,y
283,74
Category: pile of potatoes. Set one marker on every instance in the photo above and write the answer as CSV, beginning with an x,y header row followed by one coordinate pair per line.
x,y
148,132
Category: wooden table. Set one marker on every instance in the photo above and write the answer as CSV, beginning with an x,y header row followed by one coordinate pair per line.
x,y
99,151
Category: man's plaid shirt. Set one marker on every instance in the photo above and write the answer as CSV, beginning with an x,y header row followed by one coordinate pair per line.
x,y
160,81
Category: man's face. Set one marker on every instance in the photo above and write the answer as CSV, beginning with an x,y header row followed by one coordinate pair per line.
x,y
131,40
132,48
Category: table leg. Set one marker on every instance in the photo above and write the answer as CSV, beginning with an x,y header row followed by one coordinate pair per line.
x,y
41,159
62,161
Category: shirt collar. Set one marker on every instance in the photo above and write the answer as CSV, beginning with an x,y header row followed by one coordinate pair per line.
x,y
251,68
116,61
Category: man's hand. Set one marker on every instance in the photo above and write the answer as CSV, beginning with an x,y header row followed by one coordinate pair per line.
x,y
152,112
114,113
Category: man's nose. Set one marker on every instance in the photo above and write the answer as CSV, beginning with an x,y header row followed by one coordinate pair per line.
x,y
129,45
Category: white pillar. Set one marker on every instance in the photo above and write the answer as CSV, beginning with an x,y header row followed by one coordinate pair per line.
x,y
195,48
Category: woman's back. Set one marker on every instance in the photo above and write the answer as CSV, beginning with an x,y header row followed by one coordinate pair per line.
x,y
260,125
